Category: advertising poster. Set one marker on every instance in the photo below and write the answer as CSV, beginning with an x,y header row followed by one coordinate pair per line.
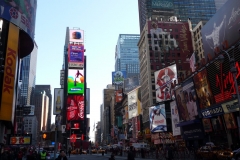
x,y
76,56
203,90
182,108
193,132
76,81
132,104
207,125
58,121
87,100
230,121
118,96
130,84
118,77
125,115
157,118
163,80
21,13
20,140
231,106
58,101
75,107
190,98
217,123
139,102
221,29
175,119
76,35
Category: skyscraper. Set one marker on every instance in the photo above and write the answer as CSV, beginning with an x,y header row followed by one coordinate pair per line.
x,y
197,10
47,89
28,77
126,54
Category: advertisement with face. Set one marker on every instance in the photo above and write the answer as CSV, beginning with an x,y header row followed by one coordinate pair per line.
x,y
175,119
163,80
157,118
76,81
203,90
118,77
75,107
190,99
130,84
76,35
230,121
76,56
182,108
21,13
217,123
220,31
132,104
207,125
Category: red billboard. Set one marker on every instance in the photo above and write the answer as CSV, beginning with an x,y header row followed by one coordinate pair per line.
x,y
75,107
118,96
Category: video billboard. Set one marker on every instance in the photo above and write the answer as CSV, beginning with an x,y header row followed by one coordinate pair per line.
x,y
7,107
182,108
76,81
163,80
76,56
157,118
190,98
118,77
76,35
75,107
21,13
20,140
130,84
203,90
221,29
175,119
58,101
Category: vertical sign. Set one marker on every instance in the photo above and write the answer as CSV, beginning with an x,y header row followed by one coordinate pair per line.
x,y
157,118
87,100
58,101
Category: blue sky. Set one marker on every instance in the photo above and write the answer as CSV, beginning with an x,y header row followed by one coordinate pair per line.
x,y
102,21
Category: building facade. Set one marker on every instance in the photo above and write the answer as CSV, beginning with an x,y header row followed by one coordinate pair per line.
x,y
30,127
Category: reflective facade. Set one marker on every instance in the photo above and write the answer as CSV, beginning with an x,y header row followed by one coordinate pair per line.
x,y
28,77
127,53
196,10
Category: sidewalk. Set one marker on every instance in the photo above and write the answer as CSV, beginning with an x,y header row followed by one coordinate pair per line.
x,y
119,157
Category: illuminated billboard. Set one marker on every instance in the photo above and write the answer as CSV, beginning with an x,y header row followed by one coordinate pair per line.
x,y
118,77
7,107
163,80
75,107
20,12
118,96
14,140
175,119
76,56
58,101
157,118
134,103
182,108
76,35
76,81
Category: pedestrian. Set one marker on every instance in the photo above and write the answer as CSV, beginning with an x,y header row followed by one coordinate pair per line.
x,y
62,156
131,155
69,152
112,157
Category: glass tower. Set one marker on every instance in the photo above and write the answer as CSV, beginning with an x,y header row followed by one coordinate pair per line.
x,y
28,77
127,53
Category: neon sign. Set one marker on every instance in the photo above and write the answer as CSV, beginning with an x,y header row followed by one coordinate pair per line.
x,y
224,81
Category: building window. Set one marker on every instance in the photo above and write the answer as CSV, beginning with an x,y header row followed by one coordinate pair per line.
x,y
170,30
171,36
178,54
173,54
179,61
157,67
153,80
152,67
176,30
176,36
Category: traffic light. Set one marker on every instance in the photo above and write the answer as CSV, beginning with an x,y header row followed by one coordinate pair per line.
x,y
44,136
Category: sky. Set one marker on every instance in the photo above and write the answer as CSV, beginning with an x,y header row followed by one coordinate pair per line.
x,y
102,22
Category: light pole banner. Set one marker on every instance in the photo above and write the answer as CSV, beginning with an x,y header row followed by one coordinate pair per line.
x,y
157,118
175,119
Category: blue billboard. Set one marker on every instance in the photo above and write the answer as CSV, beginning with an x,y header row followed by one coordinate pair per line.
x,y
162,4
118,77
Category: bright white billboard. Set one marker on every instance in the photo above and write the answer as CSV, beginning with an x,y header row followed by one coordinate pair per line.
x,y
157,118
163,80
132,104
58,101
175,119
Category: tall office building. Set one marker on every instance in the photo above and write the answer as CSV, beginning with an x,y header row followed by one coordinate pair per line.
x,y
126,54
28,77
30,127
41,102
47,89
197,10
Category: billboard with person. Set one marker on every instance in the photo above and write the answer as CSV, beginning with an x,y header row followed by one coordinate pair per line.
x,y
76,81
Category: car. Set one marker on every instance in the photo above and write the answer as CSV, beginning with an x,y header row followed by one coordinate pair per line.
x,y
94,151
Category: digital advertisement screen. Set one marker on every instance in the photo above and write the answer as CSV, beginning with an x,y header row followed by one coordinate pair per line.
x,y
76,81
20,140
76,56
75,107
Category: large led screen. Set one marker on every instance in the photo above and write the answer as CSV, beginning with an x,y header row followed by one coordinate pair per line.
x,y
157,118
76,56
76,81
118,77
203,90
163,80
75,107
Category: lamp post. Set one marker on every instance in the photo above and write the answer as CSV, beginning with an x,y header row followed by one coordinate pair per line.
x,y
233,70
